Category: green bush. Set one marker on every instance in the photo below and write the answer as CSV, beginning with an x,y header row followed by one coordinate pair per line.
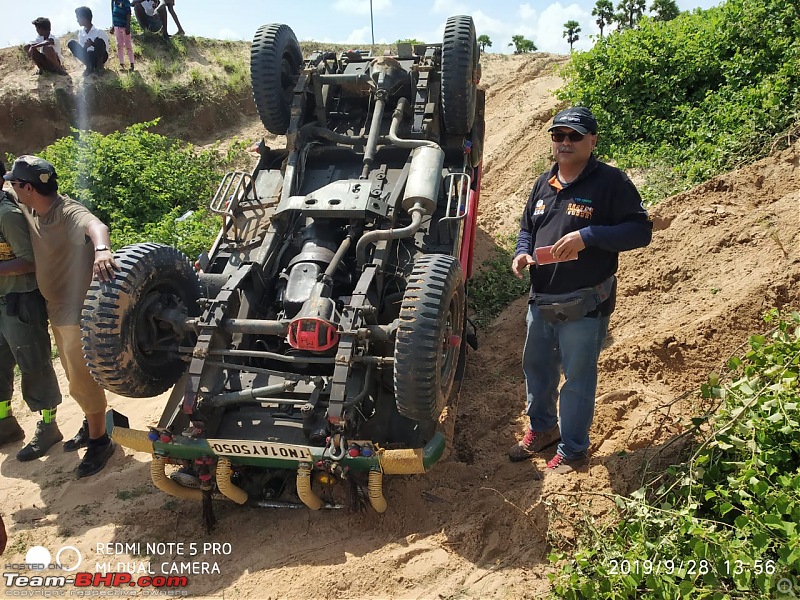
x,y
139,183
494,287
700,93
725,523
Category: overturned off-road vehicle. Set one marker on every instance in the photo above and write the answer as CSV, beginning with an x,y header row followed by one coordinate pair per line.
x,y
320,344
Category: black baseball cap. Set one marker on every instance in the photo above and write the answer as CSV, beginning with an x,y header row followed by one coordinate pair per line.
x,y
578,118
32,169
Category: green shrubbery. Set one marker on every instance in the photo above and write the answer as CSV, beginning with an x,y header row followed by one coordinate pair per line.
x,y
701,93
725,523
139,183
494,287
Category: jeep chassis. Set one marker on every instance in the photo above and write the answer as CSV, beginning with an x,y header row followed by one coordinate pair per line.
x,y
323,337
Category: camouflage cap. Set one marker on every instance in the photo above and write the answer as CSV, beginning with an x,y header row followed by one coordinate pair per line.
x,y
31,168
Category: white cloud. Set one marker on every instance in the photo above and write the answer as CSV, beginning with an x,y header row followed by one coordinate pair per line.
x,y
484,23
362,35
361,7
549,30
229,34
526,13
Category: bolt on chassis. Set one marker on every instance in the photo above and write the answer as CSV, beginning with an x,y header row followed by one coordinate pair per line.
x,y
320,343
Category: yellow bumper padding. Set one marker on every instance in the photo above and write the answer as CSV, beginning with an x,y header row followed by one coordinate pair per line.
x,y
133,439
228,489
304,491
165,484
402,462
376,498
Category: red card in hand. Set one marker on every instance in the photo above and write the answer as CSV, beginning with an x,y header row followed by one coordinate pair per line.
x,y
544,256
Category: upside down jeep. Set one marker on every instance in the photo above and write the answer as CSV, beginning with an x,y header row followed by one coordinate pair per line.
x,y
323,337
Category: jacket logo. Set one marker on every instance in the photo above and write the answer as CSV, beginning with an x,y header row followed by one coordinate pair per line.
x,y
539,208
578,210
6,253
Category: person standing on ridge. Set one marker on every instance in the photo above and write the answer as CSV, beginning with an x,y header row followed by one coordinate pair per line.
x,y
121,28
579,216
70,245
170,4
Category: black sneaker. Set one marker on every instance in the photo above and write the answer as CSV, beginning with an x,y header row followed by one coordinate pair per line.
x,y
10,431
81,439
95,459
46,435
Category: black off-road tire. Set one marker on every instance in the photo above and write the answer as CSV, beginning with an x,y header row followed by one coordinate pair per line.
x,y
425,359
128,350
275,62
460,74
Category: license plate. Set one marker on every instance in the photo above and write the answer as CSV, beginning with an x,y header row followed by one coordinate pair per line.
x,y
255,449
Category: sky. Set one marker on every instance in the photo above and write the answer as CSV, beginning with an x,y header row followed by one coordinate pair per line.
x,y
342,21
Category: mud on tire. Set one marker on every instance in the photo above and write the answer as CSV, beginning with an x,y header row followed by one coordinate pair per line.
x,y
460,74
275,61
130,350
431,320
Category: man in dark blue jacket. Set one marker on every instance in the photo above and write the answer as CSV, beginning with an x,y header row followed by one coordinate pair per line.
x,y
580,215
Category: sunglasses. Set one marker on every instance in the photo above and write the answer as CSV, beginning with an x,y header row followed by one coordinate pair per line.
x,y
574,136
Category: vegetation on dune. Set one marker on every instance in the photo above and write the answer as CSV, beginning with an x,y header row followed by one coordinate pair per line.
x,y
723,524
494,287
696,95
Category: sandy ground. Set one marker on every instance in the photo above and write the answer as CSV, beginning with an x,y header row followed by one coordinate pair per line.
x,y
476,526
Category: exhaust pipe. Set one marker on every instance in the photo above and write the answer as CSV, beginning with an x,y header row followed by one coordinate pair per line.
x,y
376,498
134,439
226,487
165,484
304,491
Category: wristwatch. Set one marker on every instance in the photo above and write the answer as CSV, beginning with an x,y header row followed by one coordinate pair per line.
x,y
101,247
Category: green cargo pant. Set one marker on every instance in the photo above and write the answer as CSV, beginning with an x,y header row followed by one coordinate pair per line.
x,y
25,341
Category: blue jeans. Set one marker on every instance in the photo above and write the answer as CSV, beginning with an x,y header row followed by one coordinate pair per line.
x,y
575,347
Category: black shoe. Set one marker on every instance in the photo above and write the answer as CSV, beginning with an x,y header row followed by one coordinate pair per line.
x,y
10,431
81,439
46,435
95,459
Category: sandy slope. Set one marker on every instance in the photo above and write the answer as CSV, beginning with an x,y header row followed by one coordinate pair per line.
x,y
477,526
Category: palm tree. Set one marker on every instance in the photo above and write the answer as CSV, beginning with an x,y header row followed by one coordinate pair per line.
x,y
665,10
483,41
604,11
522,45
630,11
571,29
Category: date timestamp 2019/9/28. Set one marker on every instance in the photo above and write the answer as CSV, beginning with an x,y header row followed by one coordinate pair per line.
x,y
668,566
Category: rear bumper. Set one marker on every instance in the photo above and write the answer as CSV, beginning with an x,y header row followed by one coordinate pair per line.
x,y
390,462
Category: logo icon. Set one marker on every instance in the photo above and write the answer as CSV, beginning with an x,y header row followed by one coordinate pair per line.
x,y
68,558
